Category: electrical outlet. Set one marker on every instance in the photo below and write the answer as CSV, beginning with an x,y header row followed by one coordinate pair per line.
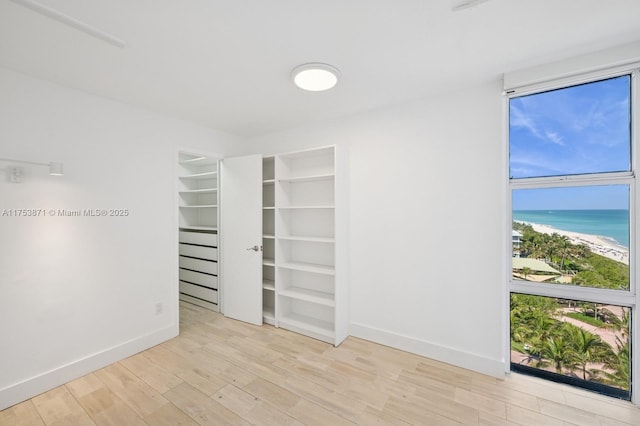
x,y
159,308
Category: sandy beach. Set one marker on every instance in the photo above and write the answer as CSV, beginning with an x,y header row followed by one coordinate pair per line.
x,y
596,244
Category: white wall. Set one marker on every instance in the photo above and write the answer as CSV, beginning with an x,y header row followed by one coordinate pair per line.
x,y
426,223
427,231
77,293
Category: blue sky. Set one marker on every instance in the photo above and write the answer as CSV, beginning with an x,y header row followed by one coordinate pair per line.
x,y
580,129
576,130
574,198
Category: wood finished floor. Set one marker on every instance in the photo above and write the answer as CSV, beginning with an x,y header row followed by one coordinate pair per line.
x,y
224,372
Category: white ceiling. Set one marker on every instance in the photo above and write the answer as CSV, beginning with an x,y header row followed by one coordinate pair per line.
x,y
226,63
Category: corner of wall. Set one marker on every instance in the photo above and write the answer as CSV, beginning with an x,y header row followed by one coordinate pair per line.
x,y
477,363
36,385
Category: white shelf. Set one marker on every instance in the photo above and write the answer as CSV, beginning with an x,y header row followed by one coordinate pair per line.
x,y
324,151
200,191
199,228
310,178
198,161
319,328
308,267
197,194
306,207
307,239
312,296
268,315
201,206
268,216
194,160
299,234
269,285
200,175
268,262
309,289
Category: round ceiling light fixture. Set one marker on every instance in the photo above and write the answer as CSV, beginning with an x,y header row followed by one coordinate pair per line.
x,y
315,76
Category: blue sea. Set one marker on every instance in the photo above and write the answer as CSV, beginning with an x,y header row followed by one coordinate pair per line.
x,y
613,224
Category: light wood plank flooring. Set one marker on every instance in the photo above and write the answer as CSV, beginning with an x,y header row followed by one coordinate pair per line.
x,y
224,372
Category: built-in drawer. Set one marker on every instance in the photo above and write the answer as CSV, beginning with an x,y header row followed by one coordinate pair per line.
x,y
207,294
206,266
201,238
199,251
199,278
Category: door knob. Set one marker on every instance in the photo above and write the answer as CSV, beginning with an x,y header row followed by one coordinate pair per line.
x,y
255,248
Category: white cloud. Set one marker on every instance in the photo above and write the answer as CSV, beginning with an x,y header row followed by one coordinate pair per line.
x,y
554,138
519,119
537,128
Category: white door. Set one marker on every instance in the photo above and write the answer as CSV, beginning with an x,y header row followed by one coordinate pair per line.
x,y
241,233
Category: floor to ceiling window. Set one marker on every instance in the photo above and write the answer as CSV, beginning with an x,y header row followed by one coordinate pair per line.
x,y
572,198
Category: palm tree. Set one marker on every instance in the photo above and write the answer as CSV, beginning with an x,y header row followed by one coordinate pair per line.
x,y
532,244
532,322
620,324
549,246
581,251
559,352
587,347
620,363
531,325
565,248
543,325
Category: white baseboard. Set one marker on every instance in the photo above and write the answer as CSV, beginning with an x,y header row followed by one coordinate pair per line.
x,y
36,385
470,361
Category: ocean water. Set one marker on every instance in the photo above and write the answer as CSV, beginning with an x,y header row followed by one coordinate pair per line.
x,y
613,224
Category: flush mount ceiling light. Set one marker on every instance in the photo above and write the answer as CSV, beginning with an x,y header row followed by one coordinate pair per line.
x,y
315,77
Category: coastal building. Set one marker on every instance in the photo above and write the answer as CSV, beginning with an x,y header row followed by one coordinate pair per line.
x,y
516,241
533,270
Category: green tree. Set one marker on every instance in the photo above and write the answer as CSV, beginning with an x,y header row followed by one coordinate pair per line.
x,y
620,324
558,351
550,247
620,363
602,272
532,318
586,347
565,248
591,269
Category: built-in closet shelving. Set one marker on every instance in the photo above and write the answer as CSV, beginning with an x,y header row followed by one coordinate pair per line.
x,y
306,296
198,229
268,241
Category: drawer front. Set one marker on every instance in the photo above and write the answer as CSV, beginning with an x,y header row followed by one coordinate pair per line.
x,y
199,292
198,278
199,265
202,238
199,251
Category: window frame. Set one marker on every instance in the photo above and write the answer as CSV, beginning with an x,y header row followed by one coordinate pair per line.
x,y
627,298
